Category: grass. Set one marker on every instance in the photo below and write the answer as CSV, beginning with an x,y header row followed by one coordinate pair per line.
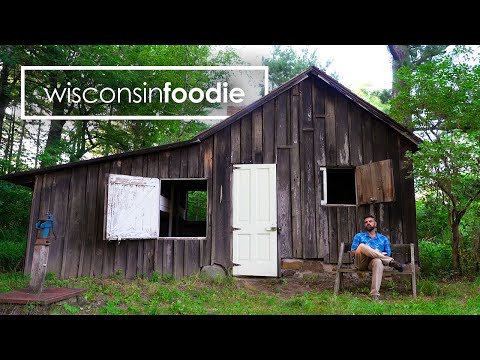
x,y
198,296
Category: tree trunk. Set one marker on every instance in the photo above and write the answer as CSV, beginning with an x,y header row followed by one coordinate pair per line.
x,y
54,135
55,132
400,58
2,116
56,126
9,147
38,142
20,144
4,99
455,245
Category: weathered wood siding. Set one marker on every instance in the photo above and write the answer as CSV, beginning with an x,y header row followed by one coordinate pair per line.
x,y
77,199
308,126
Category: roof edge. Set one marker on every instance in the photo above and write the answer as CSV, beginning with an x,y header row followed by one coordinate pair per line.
x,y
30,174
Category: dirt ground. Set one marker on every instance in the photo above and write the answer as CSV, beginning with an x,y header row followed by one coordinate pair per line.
x,y
289,286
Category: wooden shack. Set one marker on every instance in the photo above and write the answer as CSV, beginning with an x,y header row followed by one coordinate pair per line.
x,y
289,176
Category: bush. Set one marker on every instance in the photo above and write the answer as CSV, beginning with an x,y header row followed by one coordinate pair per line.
x,y
15,202
435,259
12,255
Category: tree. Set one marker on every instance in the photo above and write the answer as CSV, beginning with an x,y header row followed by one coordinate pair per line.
x,y
378,98
285,63
442,97
70,140
411,56
11,57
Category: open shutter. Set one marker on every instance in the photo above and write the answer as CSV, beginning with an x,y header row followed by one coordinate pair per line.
x,y
375,182
132,207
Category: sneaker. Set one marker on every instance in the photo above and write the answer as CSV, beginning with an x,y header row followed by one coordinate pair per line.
x,y
396,265
375,297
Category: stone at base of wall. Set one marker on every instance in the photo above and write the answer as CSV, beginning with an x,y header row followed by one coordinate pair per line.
x,y
213,271
298,267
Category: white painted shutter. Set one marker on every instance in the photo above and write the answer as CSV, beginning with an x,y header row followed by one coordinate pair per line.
x,y
132,207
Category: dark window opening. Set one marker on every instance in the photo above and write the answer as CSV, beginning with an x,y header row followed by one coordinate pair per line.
x,y
341,186
183,205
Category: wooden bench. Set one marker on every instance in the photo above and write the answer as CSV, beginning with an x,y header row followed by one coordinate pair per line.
x,y
400,252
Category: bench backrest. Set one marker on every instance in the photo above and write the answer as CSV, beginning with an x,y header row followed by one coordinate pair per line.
x,y
400,252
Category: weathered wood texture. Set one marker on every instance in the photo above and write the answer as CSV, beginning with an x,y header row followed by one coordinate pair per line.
x,y
295,175
307,176
221,202
375,182
37,275
62,187
309,126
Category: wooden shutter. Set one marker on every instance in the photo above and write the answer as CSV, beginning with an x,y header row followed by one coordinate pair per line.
x,y
132,208
375,182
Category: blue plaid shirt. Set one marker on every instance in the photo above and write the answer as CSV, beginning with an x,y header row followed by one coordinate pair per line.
x,y
379,242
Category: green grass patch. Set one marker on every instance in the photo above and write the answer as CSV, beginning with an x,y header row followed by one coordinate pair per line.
x,y
160,295
11,281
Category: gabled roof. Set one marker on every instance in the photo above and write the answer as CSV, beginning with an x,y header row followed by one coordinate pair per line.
x,y
314,71
27,177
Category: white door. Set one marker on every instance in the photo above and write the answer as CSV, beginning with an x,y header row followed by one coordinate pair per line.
x,y
254,220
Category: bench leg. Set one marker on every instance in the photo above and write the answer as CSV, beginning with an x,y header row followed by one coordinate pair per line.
x,y
338,277
414,285
338,282
414,275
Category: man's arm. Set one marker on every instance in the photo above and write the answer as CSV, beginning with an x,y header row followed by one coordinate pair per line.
x,y
355,243
387,248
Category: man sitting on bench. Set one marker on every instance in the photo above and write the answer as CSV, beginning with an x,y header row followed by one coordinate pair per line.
x,y
372,251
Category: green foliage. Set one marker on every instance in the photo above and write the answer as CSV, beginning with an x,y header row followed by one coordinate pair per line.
x,y
450,164
155,277
378,98
285,63
435,239
12,280
168,278
197,206
71,309
442,99
435,259
12,254
432,219
54,153
442,94
14,219
121,136
428,287
414,55
72,140
15,203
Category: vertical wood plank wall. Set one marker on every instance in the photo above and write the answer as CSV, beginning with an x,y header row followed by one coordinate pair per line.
x,y
309,126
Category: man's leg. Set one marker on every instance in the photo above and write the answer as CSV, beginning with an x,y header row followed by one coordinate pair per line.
x,y
361,260
376,267
373,253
